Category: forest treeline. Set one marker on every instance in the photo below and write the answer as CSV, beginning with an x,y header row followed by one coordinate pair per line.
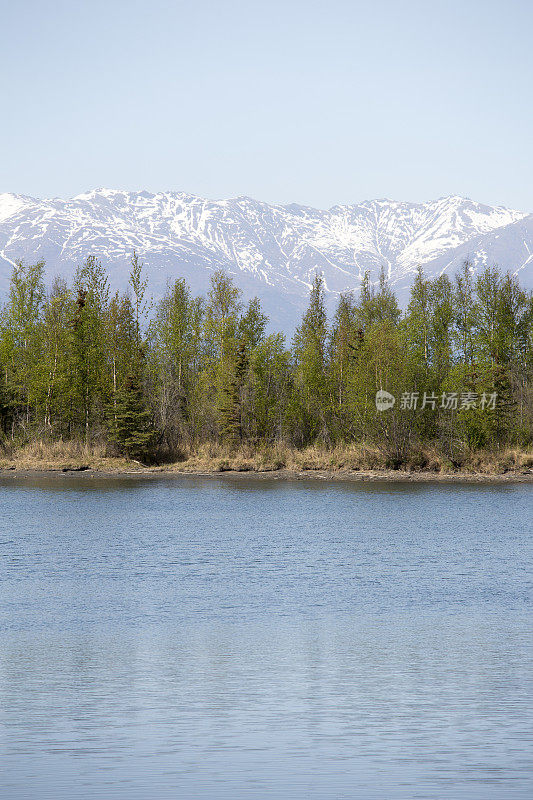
x,y
154,382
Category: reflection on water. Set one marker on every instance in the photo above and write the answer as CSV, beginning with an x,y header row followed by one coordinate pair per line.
x,y
204,638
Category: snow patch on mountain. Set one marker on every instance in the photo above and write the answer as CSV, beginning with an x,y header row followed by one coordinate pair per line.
x,y
272,250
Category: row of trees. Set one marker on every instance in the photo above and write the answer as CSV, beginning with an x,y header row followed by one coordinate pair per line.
x,y
80,362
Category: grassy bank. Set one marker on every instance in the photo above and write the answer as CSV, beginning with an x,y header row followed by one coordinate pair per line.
x,y
211,458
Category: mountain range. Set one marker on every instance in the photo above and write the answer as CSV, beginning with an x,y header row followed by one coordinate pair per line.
x,y
273,251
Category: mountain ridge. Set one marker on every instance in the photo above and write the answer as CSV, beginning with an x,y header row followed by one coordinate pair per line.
x,y
273,250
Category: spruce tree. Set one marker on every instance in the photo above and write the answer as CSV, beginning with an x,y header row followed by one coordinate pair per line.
x,y
230,407
130,425
312,396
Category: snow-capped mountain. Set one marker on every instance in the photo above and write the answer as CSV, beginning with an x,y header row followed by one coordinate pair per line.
x,y
272,250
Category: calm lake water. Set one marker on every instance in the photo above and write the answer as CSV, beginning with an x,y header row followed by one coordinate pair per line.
x,y
238,638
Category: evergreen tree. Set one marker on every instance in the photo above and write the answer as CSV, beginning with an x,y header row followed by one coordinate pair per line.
x,y
312,392
131,426
230,404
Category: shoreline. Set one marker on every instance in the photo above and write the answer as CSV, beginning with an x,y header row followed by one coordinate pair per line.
x,y
339,475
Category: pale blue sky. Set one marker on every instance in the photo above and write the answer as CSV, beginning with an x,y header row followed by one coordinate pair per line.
x,y
313,102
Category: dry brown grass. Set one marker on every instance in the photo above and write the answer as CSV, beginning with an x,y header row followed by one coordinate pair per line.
x,y
348,458
212,458
500,462
61,455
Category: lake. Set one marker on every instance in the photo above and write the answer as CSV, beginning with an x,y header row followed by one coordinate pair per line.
x,y
256,638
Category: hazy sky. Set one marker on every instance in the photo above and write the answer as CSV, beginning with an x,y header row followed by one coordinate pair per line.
x,y
314,102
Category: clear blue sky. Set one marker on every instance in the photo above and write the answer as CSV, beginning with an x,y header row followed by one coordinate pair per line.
x,y
316,102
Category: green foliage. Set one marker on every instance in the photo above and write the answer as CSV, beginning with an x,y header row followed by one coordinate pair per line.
x,y
138,286
130,423
21,344
311,400
76,362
